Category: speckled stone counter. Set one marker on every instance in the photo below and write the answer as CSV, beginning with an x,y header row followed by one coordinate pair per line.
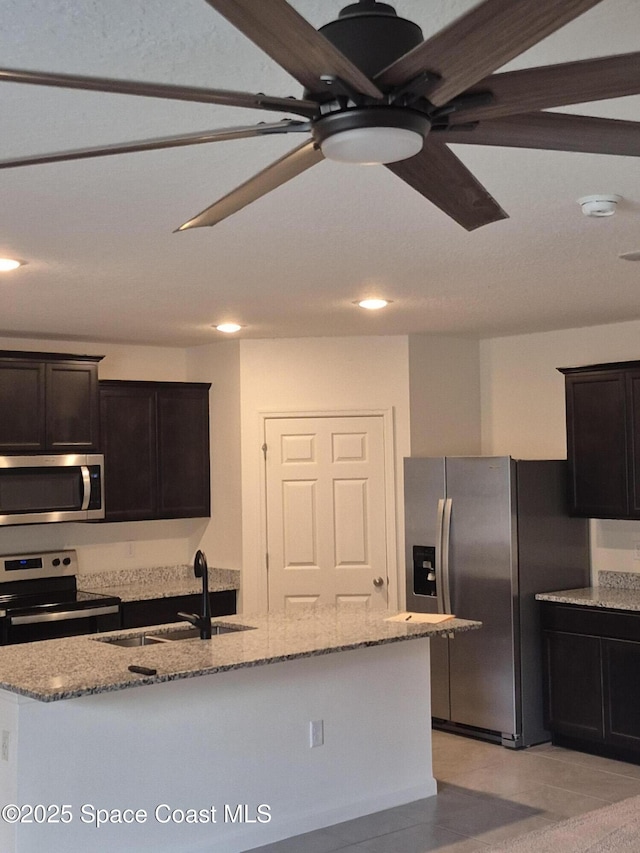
x,y
157,582
62,669
615,590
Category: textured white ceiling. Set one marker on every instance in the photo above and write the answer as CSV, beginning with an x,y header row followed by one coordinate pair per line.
x,y
103,263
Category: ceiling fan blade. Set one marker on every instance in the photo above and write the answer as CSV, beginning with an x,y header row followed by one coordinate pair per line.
x,y
477,43
221,135
299,48
556,85
276,174
441,177
160,90
553,131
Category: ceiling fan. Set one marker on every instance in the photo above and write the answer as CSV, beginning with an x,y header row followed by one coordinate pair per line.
x,y
376,92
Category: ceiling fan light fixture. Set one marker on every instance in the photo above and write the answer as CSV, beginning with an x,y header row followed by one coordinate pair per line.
x,y
369,146
371,135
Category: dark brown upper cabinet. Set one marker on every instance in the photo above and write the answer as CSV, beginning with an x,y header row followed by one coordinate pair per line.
x,y
603,439
48,403
155,439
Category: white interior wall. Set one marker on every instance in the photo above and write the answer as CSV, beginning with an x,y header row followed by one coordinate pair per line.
x,y
313,375
221,537
523,409
444,387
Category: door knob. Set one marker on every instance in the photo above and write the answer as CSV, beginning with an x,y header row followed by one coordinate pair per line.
x,y
378,581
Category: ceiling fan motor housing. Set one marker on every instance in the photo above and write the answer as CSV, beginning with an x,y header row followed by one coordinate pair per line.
x,y
372,35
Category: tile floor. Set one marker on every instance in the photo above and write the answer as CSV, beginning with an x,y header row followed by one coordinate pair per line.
x,y
486,794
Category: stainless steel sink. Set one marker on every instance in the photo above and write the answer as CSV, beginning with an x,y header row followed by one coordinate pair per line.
x,y
193,633
156,638
139,640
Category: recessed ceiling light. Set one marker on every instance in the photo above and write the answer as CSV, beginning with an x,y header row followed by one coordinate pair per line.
x,y
373,304
8,264
630,256
229,328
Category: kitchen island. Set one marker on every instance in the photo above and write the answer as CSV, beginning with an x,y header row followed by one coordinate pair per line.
x,y
216,750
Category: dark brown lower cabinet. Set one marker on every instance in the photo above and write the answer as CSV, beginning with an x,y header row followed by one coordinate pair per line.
x,y
159,611
621,688
592,684
574,694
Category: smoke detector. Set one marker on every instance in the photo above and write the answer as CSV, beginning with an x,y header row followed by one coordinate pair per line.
x,y
599,205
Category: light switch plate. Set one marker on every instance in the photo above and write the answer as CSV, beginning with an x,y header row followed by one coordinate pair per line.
x,y
316,733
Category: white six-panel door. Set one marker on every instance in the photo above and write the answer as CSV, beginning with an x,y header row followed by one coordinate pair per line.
x,y
326,511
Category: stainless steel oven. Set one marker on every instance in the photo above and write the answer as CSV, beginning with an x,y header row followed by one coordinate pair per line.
x,y
39,600
55,487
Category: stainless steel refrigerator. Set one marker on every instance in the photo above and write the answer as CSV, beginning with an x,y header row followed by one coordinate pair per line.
x,y
483,536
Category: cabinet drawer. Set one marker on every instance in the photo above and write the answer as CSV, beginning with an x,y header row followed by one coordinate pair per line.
x,y
595,621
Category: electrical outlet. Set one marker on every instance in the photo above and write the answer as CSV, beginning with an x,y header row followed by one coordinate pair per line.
x,y
130,549
636,551
4,749
316,733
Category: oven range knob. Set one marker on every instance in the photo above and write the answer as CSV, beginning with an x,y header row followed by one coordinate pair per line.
x,y
56,562
67,561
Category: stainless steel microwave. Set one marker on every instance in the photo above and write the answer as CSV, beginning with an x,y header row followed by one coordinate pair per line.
x,y
55,487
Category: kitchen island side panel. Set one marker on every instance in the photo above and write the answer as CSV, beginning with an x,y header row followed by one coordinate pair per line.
x,y
237,738
9,707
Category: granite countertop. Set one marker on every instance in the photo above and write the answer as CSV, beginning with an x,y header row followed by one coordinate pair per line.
x,y
615,591
50,670
158,582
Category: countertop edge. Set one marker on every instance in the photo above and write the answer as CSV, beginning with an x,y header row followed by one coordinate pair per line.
x,y
606,598
178,670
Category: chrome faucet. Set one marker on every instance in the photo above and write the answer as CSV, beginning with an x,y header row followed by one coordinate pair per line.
x,y
201,620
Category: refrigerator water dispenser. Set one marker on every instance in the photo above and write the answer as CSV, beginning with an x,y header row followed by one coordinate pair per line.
x,y
424,570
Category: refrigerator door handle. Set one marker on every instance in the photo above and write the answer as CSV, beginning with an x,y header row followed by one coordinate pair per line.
x,y
439,575
446,538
